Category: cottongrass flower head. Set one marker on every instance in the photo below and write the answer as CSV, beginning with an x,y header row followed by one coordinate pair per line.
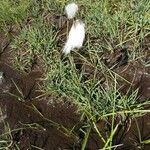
x,y
71,10
1,77
76,36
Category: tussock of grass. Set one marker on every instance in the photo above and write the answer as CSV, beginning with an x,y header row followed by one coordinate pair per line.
x,y
13,11
112,23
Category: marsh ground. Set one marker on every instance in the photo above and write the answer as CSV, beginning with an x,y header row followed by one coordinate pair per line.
x,y
94,98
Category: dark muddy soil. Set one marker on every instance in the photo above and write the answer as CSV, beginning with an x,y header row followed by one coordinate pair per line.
x,y
130,75
41,121
38,122
17,94
47,121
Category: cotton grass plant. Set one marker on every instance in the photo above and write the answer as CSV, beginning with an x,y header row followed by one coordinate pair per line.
x,y
112,24
76,34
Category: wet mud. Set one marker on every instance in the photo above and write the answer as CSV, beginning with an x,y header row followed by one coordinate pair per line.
x,y
41,120
131,75
52,123
45,122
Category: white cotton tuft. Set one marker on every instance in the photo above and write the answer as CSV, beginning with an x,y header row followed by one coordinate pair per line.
x,y
1,78
76,36
71,10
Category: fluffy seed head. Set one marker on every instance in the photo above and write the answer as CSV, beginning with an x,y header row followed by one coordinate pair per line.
x,y
76,36
1,77
71,10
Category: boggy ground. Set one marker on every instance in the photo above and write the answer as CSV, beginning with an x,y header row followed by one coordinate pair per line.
x,y
48,122
45,122
31,119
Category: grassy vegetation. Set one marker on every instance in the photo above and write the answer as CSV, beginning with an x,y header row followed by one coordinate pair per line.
x,y
113,24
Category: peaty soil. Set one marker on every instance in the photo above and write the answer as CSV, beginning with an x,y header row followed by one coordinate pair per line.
x,y
47,121
53,123
36,122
